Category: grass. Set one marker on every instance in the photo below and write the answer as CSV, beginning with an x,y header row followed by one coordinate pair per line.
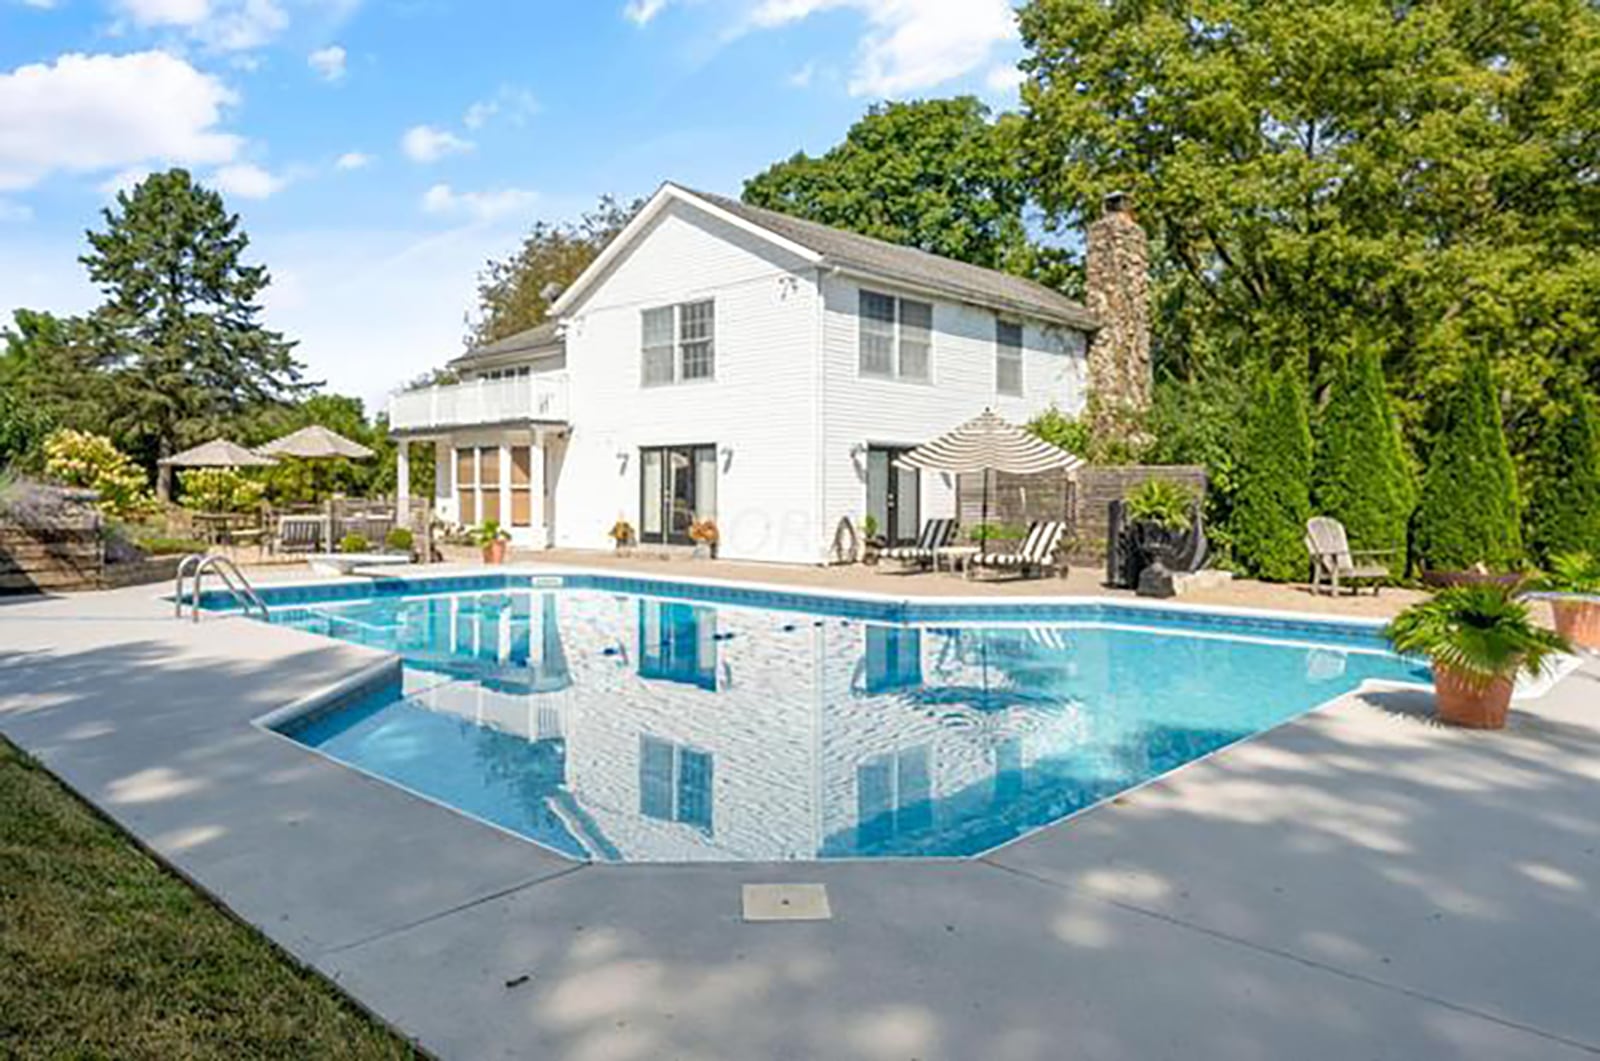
x,y
105,953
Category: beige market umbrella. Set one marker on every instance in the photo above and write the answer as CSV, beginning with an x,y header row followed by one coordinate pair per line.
x,y
218,453
316,443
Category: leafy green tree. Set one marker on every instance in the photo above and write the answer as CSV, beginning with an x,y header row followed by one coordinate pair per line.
x,y
48,379
1421,175
1274,498
1564,507
514,293
178,331
936,174
1469,511
1362,476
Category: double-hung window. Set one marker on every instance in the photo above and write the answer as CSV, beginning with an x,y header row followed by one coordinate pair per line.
x,y
678,343
896,337
1008,358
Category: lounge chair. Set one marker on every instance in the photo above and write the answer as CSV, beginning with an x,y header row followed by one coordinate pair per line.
x,y
299,534
936,534
1333,560
1036,556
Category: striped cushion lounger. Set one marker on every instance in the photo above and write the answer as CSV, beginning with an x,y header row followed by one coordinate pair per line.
x,y
936,534
1037,555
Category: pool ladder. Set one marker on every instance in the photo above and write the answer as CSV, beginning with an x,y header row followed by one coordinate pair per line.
x,y
232,578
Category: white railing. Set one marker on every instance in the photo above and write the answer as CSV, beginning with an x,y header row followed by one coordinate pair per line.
x,y
540,397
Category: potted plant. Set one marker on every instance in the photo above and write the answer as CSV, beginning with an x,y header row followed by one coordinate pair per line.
x,y
621,535
872,540
1574,581
1479,638
1158,517
492,539
400,540
703,532
354,543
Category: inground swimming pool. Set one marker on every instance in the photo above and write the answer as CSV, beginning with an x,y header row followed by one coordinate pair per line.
x,y
636,720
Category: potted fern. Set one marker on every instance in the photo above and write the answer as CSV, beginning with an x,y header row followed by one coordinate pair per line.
x,y
872,541
704,534
1479,638
1574,582
1158,517
622,536
493,539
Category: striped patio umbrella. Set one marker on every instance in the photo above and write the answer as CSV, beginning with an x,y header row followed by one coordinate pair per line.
x,y
989,443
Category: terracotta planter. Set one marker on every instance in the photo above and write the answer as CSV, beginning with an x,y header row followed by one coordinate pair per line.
x,y
1578,620
494,552
1462,702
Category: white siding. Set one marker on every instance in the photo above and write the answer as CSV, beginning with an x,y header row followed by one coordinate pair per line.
x,y
861,410
760,411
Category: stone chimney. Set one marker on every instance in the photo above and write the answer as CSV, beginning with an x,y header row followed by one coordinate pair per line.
x,y
1118,290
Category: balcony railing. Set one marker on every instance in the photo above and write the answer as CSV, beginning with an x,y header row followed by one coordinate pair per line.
x,y
541,398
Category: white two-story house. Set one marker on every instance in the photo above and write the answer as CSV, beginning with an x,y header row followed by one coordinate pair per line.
x,y
720,361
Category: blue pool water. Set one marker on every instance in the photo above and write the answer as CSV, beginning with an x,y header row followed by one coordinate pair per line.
x,y
685,724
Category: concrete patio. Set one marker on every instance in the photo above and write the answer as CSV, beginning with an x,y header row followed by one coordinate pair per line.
x,y
1358,883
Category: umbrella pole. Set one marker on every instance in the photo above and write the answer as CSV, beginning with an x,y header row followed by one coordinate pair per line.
x,y
983,521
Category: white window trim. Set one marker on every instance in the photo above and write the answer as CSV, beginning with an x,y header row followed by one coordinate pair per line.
x,y
899,338
678,344
1003,353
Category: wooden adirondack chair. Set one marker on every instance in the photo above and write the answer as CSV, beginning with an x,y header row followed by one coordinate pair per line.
x,y
1333,560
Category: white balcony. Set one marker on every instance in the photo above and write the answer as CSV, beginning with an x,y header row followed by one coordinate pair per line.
x,y
538,398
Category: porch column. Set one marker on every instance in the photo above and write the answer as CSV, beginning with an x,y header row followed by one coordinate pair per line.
x,y
537,531
443,469
402,484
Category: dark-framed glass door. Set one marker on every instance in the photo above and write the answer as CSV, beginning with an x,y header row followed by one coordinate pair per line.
x,y
677,485
894,495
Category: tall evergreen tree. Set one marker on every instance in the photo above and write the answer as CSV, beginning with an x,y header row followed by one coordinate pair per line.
x,y
179,329
1362,477
1470,511
1274,498
1564,509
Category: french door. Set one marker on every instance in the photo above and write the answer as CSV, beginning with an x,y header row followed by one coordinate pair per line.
x,y
677,485
894,495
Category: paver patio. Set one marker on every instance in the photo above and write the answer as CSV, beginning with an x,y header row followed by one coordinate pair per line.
x,y
1360,882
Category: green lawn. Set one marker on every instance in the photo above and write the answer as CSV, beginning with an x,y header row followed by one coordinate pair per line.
x,y
104,953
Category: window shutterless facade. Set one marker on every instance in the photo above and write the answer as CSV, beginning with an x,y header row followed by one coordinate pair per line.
x,y
1008,358
678,343
896,337
677,485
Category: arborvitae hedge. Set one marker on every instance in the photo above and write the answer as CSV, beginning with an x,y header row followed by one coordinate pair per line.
x,y
1362,478
1564,511
1470,511
1274,501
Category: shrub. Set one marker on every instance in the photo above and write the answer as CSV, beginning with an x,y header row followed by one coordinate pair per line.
x,y
91,462
354,543
158,545
1161,501
1564,510
220,490
997,532
399,540
1274,498
1362,477
1059,429
1469,511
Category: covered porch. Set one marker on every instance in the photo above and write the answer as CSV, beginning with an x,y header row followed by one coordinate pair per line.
x,y
505,474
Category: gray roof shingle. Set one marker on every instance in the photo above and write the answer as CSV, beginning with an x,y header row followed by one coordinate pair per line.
x,y
538,337
909,265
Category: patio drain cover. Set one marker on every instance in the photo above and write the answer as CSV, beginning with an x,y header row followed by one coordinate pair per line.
x,y
786,902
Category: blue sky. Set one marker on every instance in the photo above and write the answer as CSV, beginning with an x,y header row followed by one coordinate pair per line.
x,y
379,152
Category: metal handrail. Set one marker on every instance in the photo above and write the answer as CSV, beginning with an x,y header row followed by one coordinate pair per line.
x,y
177,586
227,571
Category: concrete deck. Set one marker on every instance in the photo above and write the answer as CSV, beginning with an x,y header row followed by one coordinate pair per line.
x,y
1359,883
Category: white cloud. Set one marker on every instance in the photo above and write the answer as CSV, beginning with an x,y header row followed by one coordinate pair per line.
x,y
352,160
93,113
911,44
477,206
165,12
640,12
424,143
246,180
1003,79
328,62
515,104
12,212
222,25
802,77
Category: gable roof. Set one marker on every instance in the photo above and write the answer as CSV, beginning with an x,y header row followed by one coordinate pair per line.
x,y
541,340
850,252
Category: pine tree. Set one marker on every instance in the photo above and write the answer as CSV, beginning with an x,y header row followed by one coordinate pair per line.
x,y
1470,512
1564,511
178,328
1274,500
1362,478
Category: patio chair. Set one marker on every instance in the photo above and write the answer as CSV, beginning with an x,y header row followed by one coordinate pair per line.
x,y
936,534
1333,560
299,534
1036,555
